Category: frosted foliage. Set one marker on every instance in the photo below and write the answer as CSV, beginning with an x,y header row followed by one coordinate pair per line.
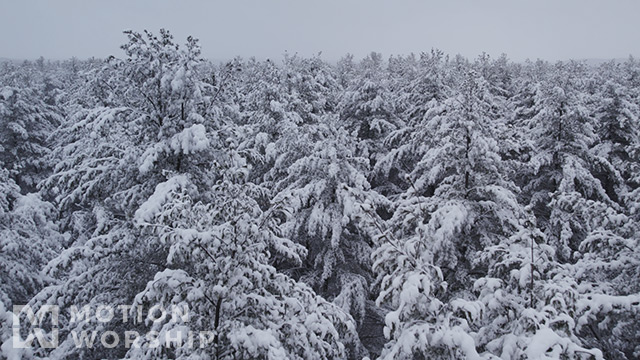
x,y
326,188
425,276
237,279
28,238
95,156
150,208
188,141
25,123
413,207
154,123
325,192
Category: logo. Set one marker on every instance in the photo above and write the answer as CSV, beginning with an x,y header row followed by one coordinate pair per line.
x,y
42,326
46,314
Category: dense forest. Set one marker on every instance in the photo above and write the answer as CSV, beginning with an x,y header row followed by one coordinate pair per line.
x,y
415,207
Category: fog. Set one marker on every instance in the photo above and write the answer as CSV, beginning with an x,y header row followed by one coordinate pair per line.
x,y
551,30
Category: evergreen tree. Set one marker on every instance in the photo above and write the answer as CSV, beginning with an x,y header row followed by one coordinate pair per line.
x,y
28,239
618,127
366,108
458,204
25,124
574,209
422,207
324,192
162,193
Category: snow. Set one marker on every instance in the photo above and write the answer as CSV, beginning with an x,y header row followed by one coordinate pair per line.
x,y
256,341
190,140
459,338
150,208
290,191
6,93
448,220
424,337
548,345
276,107
473,310
177,83
18,129
149,157
592,305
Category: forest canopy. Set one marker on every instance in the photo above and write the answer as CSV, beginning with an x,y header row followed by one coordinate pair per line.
x,y
416,207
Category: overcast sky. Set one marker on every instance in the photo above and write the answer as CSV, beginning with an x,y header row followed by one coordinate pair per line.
x,y
546,29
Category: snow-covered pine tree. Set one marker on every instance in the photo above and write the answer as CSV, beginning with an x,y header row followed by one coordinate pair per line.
x,y
618,124
346,71
366,108
564,167
279,105
526,305
25,125
575,212
154,122
218,265
607,303
416,96
110,159
28,239
497,73
167,216
324,192
459,202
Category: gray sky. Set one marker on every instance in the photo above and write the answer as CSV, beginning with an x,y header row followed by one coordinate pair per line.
x,y
547,29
